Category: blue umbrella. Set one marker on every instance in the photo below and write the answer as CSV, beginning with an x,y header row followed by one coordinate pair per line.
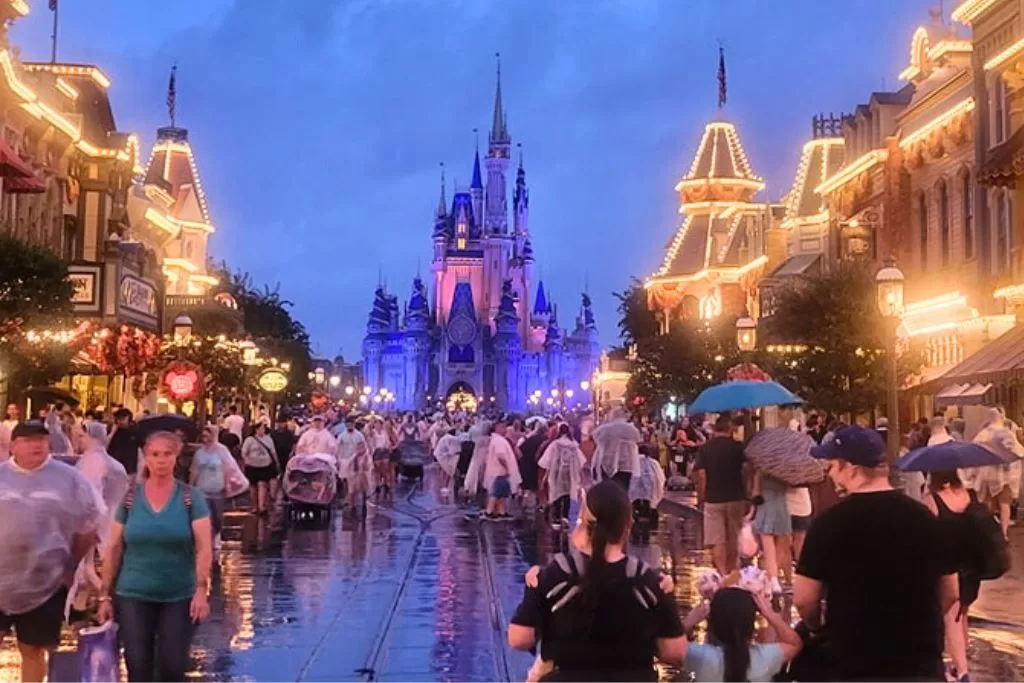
x,y
948,456
741,394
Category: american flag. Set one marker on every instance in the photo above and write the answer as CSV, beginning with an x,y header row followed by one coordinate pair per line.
x,y
721,77
53,5
172,92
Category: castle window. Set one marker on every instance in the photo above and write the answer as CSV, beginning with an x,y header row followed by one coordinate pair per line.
x,y
922,221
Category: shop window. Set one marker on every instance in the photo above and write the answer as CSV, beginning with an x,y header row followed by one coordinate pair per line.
x,y
1003,223
1000,111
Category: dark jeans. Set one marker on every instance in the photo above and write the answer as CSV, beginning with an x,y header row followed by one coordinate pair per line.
x,y
157,637
623,479
560,509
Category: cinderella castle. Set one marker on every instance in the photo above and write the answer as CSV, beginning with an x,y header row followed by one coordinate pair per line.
x,y
482,332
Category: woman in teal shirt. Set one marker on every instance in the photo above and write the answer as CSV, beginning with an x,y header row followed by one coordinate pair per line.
x,y
157,566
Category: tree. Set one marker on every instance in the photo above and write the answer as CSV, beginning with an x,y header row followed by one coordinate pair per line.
x,y
843,366
267,318
37,328
694,355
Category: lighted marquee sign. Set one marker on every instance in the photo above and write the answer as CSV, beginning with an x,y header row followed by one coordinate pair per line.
x,y
273,380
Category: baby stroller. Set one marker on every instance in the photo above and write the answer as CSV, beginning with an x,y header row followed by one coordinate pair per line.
x,y
310,484
412,460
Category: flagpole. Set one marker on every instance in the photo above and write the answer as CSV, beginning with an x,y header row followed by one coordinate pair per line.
x,y
54,5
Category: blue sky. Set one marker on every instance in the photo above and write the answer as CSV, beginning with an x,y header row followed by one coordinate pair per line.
x,y
319,124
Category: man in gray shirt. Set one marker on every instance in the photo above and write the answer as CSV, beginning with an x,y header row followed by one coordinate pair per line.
x,y
49,514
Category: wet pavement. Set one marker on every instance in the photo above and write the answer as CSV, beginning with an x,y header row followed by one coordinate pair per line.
x,y
415,592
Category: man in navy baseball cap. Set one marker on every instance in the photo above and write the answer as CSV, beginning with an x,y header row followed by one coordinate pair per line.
x,y
882,562
856,445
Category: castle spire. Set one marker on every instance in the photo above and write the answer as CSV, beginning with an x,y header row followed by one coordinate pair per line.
x,y
477,183
442,204
499,122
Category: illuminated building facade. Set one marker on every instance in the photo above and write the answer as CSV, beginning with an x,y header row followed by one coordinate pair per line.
x,y
721,248
472,336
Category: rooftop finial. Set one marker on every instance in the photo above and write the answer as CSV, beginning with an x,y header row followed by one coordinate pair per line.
x,y
442,204
722,90
477,182
520,146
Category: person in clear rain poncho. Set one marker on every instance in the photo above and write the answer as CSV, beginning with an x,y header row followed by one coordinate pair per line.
x,y
617,454
495,468
563,463
647,488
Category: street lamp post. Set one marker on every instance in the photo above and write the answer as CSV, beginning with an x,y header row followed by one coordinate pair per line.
x,y
889,287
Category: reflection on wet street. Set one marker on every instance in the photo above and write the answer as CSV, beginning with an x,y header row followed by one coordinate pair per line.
x,y
416,591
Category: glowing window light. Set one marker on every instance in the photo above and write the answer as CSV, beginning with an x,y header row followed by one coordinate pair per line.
x,y
710,306
962,107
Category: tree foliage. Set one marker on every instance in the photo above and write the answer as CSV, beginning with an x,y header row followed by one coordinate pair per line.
x,y
845,365
35,294
840,362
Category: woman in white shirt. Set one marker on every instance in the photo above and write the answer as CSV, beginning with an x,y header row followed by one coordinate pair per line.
x,y
260,458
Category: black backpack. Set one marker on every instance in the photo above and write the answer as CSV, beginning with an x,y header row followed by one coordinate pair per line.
x,y
991,551
574,564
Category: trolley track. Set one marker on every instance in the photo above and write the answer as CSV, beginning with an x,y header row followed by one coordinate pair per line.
x,y
426,516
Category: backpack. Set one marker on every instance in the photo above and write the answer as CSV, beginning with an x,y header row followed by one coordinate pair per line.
x,y
991,551
129,499
575,565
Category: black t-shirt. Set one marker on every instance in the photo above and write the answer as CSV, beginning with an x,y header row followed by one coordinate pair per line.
x,y
284,441
124,448
528,461
880,557
722,458
617,643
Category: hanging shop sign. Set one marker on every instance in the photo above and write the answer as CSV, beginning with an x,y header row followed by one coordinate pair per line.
x,y
273,380
138,295
182,381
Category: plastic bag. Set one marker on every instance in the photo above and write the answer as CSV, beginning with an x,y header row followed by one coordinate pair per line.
x,y
97,647
747,541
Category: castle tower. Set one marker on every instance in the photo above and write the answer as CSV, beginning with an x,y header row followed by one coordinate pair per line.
x,y
476,186
507,353
553,347
416,349
377,328
520,204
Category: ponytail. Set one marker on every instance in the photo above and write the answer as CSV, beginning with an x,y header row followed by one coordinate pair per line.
x,y
609,513
737,660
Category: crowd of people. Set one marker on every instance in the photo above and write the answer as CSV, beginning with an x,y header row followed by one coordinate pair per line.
x,y
881,576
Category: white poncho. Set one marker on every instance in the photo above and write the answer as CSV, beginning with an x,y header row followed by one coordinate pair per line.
x,y
564,462
492,458
617,448
447,453
648,483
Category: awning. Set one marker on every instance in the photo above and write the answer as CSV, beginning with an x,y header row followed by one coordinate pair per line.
x,y
32,185
999,362
11,165
963,394
1004,162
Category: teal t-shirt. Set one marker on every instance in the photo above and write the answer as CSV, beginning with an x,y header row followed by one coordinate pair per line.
x,y
159,561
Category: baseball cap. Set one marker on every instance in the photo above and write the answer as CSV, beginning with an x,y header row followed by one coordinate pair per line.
x,y
856,445
29,429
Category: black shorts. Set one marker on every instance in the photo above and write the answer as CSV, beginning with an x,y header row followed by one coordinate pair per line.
x,y
800,523
41,626
257,474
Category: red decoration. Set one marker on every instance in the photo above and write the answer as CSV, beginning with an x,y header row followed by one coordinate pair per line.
x,y
126,350
182,381
318,400
747,371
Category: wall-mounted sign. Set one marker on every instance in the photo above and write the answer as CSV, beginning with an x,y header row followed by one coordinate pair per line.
x,y
85,287
182,381
138,295
273,380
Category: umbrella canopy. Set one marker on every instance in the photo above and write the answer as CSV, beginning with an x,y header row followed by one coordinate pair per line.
x,y
52,395
1001,441
948,456
168,422
785,455
532,421
742,394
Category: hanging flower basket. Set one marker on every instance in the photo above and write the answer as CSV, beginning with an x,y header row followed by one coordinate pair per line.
x,y
747,371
